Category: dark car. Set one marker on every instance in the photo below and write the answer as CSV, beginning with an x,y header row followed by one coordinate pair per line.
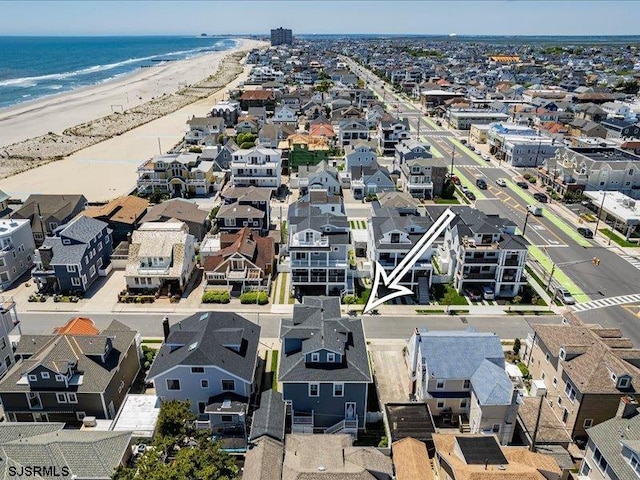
x,y
541,197
481,184
469,194
523,185
585,232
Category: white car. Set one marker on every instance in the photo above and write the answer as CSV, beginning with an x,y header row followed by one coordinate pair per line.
x,y
501,182
485,157
565,296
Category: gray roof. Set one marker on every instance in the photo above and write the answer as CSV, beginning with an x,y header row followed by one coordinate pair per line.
x,y
86,454
491,384
65,254
202,338
269,418
264,460
83,229
608,437
55,351
319,324
436,348
60,207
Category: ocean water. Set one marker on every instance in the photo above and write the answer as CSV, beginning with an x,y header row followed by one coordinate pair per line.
x,y
33,67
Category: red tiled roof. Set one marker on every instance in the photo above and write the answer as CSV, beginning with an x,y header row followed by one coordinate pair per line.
x,y
257,95
77,326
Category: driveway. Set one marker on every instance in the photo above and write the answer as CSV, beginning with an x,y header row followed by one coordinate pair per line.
x,y
392,377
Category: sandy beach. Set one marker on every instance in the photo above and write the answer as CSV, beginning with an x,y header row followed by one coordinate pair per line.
x,y
108,169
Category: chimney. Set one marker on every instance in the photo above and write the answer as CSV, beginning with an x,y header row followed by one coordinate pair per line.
x,y
627,408
46,255
165,327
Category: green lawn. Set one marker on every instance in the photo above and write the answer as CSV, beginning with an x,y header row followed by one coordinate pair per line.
x,y
619,240
446,201
283,289
440,290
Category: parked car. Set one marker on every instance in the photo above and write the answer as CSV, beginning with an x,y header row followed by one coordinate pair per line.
x,y
501,182
481,184
488,293
486,157
455,180
469,194
464,189
523,185
585,232
535,210
473,293
565,296
541,197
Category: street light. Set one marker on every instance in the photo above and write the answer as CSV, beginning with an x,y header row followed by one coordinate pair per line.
x,y
453,154
595,230
594,260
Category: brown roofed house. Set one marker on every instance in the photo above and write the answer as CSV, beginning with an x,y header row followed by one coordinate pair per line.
x,y
123,215
197,220
78,326
411,460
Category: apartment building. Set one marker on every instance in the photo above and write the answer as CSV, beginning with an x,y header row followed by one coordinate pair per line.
x,y
423,177
257,166
463,119
392,131
17,248
586,370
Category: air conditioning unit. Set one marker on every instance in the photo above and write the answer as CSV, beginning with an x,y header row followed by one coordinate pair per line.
x,y
628,202
89,422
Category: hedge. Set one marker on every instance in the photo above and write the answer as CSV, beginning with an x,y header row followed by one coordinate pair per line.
x,y
261,298
215,296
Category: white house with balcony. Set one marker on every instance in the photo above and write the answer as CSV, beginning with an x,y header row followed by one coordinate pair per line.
x,y
16,250
257,166
161,258
481,250
318,246
177,174
200,128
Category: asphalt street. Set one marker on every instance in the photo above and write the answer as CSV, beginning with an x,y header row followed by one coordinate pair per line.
x,y
376,327
624,317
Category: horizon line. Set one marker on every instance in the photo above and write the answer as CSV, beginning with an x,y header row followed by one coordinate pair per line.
x,y
266,34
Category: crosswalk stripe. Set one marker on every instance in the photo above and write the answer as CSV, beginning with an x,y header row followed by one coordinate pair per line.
x,y
606,302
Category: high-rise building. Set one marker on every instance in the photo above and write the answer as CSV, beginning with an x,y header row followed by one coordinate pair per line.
x,y
281,36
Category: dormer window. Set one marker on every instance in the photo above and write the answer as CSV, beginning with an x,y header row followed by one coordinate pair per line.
x,y
331,357
624,382
33,378
562,354
315,357
44,375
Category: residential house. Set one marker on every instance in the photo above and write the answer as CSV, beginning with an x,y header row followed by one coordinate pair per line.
x,y
424,177
242,261
196,219
586,369
462,457
324,368
202,127
322,129
359,155
4,203
484,251
209,359
411,149
177,174
619,110
592,168
17,250
613,450
373,115
580,127
161,258
411,460
247,124
245,207
271,135
304,149
65,377
257,98
48,212
522,151
8,322
318,177
352,131
257,166
318,246
618,128
68,453
370,181
123,215
74,259
591,111
221,156
228,110
259,113
478,388
392,131
285,114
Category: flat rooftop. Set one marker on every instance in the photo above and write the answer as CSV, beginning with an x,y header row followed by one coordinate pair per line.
x,y
469,114
410,420
617,204
139,415
606,154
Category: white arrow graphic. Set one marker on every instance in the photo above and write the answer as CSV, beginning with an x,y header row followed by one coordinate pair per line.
x,y
392,280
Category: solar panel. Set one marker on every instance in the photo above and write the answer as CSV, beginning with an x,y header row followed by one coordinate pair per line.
x,y
481,450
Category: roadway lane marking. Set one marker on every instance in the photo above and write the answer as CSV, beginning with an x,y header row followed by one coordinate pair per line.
x,y
606,302
635,261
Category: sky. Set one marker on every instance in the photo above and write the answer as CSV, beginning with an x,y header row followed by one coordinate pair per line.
x,y
479,17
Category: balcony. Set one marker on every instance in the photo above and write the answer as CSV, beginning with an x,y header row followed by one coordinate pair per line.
x,y
145,270
479,276
485,260
329,263
317,242
7,248
512,262
302,422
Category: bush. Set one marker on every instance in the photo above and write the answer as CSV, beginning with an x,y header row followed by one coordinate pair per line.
x,y
449,190
516,346
527,176
245,145
195,150
259,297
533,180
215,296
525,371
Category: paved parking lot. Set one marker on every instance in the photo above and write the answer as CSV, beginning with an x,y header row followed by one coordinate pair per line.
x,y
391,373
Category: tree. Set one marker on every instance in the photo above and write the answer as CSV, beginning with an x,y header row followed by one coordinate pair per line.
x,y
448,298
516,346
449,189
173,418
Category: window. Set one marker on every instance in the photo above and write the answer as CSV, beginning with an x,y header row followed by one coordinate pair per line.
x,y
197,369
555,382
542,375
226,418
80,416
204,383
72,398
546,358
600,461
33,398
71,268
331,357
496,428
314,389
635,464
75,281
61,397
570,392
228,385
466,384
45,375
565,416
439,384
338,389
33,378
440,404
59,378
623,382
587,422
585,470
463,403
563,354
3,343
315,357
92,271
173,384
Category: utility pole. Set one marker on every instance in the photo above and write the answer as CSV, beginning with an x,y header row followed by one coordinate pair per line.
x,y
40,220
526,219
604,195
159,146
453,154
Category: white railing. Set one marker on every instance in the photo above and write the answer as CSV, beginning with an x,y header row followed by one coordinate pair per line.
x,y
319,242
